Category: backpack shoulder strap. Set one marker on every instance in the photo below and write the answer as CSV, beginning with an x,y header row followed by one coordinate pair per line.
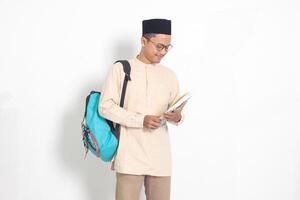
x,y
126,69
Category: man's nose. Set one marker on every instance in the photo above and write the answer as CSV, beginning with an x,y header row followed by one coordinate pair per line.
x,y
163,51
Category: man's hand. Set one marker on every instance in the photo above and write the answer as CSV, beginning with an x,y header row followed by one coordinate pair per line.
x,y
151,121
174,116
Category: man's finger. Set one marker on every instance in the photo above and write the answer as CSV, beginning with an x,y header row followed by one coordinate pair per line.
x,y
155,124
181,106
156,119
169,114
151,126
170,118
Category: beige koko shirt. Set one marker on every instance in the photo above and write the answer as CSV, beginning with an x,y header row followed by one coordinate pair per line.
x,y
153,87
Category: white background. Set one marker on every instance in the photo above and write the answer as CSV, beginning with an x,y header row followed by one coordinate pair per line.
x,y
239,59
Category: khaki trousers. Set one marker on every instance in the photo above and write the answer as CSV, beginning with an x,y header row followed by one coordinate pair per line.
x,y
129,187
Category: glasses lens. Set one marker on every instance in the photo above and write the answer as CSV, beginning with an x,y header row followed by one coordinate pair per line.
x,y
160,47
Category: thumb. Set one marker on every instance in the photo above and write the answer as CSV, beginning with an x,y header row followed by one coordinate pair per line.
x,y
181,106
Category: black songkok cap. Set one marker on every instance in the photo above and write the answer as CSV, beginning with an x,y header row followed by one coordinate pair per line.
x,y
162,26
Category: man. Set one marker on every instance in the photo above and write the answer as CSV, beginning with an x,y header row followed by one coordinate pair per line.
x,y
143,155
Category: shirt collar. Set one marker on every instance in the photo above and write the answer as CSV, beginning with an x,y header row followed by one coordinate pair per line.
x,y
142,63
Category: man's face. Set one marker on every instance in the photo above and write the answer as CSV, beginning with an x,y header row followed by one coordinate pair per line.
x,y
155,48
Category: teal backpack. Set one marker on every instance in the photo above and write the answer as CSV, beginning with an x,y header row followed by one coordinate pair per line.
x,y
99,135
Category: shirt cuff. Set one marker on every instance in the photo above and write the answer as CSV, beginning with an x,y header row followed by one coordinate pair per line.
x,y
140,120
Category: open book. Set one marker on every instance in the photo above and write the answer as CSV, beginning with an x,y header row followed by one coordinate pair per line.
x,y
180,101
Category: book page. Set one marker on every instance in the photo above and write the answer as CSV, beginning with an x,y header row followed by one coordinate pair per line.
x,y
182,99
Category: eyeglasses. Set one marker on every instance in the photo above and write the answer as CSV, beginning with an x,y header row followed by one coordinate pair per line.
x,y
160,46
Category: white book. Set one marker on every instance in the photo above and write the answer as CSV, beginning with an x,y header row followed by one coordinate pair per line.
x,y
176,105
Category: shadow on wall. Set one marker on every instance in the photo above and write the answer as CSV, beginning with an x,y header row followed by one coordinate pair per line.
x,y
96,177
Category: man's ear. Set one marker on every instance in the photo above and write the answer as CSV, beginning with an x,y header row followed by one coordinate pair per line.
x,y
143,41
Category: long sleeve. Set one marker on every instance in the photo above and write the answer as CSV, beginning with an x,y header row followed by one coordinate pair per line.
x,y
175,94
110,97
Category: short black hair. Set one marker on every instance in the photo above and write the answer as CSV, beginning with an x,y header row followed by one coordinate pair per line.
x,y
149,35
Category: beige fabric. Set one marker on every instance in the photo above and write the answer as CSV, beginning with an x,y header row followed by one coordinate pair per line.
x,y
129,187
153,87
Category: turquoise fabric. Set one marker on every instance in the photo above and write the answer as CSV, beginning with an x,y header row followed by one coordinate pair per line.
x,y
98,126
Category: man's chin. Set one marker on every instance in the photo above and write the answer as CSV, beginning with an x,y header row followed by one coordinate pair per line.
x,y
157,60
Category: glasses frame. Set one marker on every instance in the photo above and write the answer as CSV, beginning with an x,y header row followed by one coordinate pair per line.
x,y
160,46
